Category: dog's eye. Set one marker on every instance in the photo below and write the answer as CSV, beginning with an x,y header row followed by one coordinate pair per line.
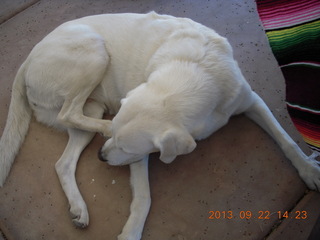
x,y
126,150
123,149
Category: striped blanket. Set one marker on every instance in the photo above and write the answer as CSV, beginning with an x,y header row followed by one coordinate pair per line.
x,y
293,30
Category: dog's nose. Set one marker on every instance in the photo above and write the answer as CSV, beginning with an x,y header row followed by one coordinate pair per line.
x,y
100,156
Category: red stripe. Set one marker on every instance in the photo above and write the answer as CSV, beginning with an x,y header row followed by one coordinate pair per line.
x,y
288,9
285,8
278,4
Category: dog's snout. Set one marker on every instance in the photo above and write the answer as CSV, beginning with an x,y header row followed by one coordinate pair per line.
x,y
100,156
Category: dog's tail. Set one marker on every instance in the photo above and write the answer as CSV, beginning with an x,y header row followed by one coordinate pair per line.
x,y
17,125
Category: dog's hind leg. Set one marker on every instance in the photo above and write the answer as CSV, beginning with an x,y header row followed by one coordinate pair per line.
x,y
71,115
141,202
67,67
66,167
307,167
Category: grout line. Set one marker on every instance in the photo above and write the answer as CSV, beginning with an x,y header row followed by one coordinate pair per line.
x,y
277,224
18,10
4,232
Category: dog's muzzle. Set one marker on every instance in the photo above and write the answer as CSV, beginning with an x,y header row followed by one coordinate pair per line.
x,y
100,156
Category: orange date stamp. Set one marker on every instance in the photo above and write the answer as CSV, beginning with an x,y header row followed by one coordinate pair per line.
x,y
262,215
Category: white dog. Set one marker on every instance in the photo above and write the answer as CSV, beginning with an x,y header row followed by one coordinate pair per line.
x,y
176,80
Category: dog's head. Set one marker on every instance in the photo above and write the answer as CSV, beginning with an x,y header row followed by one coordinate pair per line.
x,y
141,128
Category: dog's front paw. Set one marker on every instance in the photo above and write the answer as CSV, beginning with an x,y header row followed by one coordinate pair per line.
x,y
80,216
106,131
311,173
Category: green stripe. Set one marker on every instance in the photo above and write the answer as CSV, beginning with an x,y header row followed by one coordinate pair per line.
x,y
289,38
293,30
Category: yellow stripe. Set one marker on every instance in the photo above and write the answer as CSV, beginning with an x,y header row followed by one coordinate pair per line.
x,y
285,33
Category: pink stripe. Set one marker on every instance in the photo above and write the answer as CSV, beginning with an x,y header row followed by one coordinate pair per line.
x,y
283,5
288,11
297,15
265,10
289,21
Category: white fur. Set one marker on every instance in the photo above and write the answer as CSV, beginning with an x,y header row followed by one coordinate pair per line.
x,y
178,83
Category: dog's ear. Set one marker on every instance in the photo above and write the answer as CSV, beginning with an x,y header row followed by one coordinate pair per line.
x,y
172,143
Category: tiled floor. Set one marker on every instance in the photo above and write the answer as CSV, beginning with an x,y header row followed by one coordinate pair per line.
x,y
238,169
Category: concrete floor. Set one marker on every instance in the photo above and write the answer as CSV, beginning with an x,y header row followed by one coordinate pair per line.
x,y
237,169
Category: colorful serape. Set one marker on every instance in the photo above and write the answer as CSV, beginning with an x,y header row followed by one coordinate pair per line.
x,y
293,30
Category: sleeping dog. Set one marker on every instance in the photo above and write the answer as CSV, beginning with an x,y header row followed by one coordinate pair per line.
x,y
169,81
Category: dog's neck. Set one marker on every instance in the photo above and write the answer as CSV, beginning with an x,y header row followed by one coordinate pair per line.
x,y
178,77
177,85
